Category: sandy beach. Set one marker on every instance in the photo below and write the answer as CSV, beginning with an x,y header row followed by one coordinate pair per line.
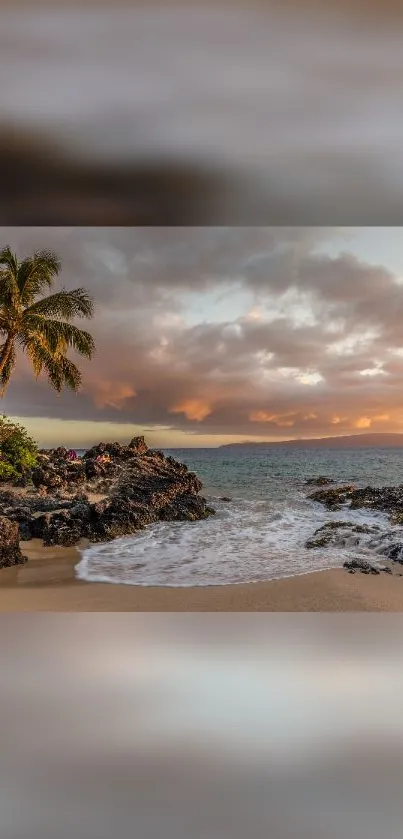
x,y
47,583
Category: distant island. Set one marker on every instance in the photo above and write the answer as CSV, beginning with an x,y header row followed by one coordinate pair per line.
x,y
353,441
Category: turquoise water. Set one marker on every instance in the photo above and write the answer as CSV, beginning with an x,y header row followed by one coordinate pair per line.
x,y
255,473
261,533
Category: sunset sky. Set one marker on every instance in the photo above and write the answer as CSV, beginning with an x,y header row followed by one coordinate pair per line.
x,y
215,335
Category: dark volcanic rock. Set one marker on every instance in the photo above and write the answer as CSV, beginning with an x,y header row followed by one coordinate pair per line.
x,y
362,565
26,509
143,486
395,552
118,452
98,470
340,533
333,498
384,499
10,553
54,471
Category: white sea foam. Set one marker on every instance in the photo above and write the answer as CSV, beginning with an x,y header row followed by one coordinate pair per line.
x,y
246,541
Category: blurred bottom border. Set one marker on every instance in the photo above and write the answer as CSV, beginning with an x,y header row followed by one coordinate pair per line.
x,y
203,725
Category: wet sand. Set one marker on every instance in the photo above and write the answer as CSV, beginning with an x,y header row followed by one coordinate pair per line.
x,y
47,583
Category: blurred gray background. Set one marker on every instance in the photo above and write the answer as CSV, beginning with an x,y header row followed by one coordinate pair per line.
x,y
174,113
209,726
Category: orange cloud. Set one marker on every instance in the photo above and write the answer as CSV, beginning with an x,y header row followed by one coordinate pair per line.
x,y
382,418
194,409
363,422
279,419
112,394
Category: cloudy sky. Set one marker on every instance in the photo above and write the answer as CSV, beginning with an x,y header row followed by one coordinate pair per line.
x,y
214,335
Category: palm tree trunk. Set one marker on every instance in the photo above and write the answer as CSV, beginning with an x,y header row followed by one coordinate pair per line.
x,y
5,351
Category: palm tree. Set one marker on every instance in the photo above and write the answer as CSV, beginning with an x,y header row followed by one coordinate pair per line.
x,y
41,324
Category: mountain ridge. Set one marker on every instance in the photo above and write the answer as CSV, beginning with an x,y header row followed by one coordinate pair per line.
x,y
376,440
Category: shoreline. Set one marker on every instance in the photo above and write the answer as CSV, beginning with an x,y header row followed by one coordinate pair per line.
x,y
47,583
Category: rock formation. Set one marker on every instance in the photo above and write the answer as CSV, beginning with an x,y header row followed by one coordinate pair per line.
x,y
10,553
140,486
321,481
385,499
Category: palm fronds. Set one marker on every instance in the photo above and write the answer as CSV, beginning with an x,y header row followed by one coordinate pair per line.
x,y
41,325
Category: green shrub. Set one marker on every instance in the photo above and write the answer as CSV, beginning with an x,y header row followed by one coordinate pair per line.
x,y
18,451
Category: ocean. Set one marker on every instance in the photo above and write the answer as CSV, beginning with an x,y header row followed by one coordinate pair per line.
x,y
261,533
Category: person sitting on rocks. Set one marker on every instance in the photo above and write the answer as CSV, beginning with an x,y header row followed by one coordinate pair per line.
x,y
72,455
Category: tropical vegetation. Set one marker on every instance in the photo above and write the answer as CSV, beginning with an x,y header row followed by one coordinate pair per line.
x,y
38,323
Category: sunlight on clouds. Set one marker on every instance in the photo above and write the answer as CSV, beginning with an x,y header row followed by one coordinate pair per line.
x,y
112,394
281,420
305,377
377,370
310,378
254,314
194,409
363,422
213,331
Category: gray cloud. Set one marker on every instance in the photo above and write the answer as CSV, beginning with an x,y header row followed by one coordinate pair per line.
x,y
303,360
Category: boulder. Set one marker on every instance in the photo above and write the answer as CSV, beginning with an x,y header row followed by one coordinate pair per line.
x,y
385,499
27,510
139,445
142,487
362,565
340,533
57,472
395,552
333,498
10,553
